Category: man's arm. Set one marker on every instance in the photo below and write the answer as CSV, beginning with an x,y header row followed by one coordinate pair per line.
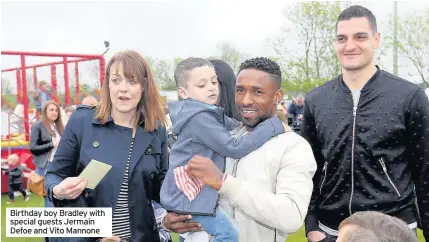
x,y
417,150
286,208
309,132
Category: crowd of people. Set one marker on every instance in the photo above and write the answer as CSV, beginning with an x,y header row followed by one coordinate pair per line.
x,y
223,165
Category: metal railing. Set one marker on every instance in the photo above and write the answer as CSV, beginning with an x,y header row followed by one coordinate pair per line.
x,y
16,126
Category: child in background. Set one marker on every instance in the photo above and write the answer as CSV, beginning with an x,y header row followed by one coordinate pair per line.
x,y
15,172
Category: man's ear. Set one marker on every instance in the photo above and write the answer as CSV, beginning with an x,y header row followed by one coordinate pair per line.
x,y
182,92
278,96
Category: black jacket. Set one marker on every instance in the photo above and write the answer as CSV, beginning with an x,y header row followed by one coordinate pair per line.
x,y
389,135
40,144
15,174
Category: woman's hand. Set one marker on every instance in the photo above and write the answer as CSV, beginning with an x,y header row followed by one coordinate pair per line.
x,y
70,188
111,239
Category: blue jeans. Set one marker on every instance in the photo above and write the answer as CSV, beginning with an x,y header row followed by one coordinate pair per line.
x,y
220,226
41,171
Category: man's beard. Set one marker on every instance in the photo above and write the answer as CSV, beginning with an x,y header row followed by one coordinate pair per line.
x,y
251,124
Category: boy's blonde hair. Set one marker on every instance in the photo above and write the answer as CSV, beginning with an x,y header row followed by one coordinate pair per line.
x,y
13,157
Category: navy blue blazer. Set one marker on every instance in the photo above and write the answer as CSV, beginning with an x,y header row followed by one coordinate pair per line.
x,y
84,139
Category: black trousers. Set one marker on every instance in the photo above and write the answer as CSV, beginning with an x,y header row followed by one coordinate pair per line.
x,y
16,187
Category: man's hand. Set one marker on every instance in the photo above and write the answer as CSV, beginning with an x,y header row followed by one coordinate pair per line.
x,y
315,236
204,169
177,224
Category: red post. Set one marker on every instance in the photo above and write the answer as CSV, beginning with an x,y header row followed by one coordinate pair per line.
x,y
51,63
66,81
102,71
18,87
35,77
25,96
54,83
76,73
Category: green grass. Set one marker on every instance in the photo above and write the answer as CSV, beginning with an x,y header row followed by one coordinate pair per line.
x,y
36,201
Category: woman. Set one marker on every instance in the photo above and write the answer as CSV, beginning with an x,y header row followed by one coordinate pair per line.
x,y
226,78
45,136
130,115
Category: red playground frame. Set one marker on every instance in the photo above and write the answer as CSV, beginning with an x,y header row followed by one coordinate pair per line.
x,y
21,77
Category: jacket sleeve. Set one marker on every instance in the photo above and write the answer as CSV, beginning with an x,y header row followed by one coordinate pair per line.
x,y
35,136
309,132
230,123
163,165
285,209
209,131
418,137
66,157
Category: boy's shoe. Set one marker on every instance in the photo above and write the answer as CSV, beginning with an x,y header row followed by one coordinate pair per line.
x,y
10,201
26,198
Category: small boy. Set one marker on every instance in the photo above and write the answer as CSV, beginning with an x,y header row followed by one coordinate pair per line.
x,y
203,129
15,172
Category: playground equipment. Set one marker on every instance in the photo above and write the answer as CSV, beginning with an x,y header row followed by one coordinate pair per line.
x,y
16,142
21,79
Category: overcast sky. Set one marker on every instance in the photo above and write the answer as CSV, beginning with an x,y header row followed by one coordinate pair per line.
x,y
162,29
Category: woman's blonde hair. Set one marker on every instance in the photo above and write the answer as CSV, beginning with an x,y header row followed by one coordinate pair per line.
x,y
58,123
151,105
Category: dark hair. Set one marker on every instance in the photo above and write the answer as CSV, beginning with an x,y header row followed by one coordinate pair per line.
x,y
357,11
265,65
226,78
182,69
151,104
58,122
385,227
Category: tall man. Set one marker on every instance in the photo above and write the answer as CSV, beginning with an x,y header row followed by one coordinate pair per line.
x,y
369,131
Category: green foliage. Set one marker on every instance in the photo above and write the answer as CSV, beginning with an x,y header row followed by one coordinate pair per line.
x,y
315,62
228,53
412,42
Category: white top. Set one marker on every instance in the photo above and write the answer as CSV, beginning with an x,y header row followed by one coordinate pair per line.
x,y
56,138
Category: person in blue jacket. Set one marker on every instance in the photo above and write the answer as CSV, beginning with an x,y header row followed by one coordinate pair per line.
x,y
203,128
125,131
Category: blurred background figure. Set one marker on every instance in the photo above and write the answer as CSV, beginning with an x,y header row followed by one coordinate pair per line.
x,y
90,101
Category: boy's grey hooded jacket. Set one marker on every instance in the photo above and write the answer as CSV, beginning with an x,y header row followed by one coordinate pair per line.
x,y
203,129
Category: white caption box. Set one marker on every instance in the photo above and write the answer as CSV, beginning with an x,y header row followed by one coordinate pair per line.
x,y
58,222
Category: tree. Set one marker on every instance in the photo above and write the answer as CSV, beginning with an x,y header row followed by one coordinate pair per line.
x,y
93,67
314,60
412,42
163,72
228,53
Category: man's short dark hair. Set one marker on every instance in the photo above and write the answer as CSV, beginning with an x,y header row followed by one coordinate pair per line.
x,y
385,227
357,11
187,65
265,65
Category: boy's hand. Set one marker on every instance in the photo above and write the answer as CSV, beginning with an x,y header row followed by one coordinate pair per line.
x,y
286,127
